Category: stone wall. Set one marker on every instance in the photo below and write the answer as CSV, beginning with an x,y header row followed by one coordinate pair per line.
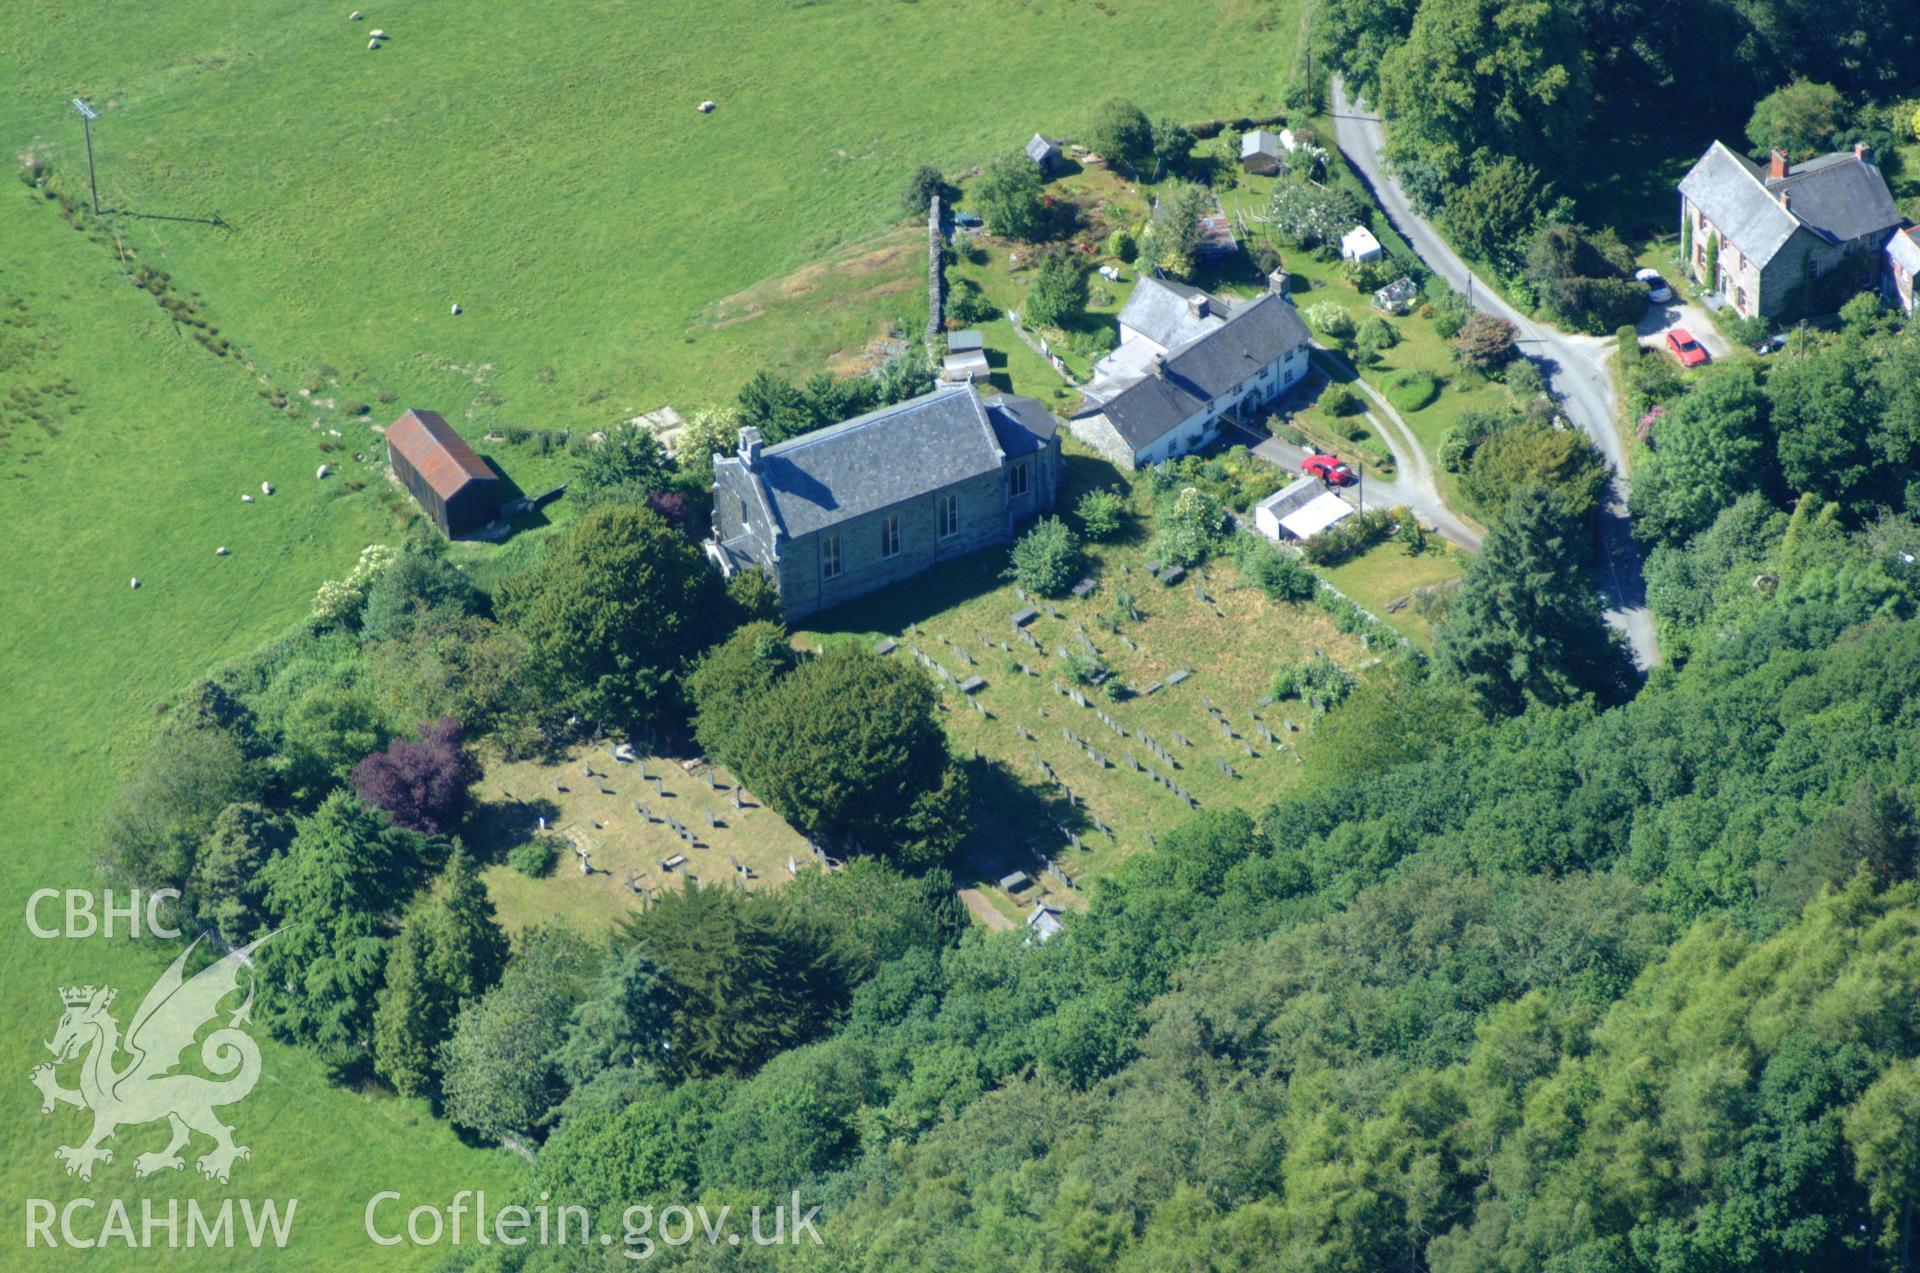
x,y
936,281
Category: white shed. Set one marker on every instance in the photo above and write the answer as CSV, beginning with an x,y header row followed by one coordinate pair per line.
x,y
1358,244
1299,511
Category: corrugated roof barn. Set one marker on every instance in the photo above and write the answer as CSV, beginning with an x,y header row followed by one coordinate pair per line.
x,y
457,489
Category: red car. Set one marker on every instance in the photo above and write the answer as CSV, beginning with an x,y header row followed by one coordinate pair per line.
x,y
1330,469
1688,350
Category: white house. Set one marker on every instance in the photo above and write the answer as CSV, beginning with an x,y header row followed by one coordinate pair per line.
x,y
1358,244
1187,362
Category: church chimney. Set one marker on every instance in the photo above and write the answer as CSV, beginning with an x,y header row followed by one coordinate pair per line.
x,y
1777,167
1197,305
750,446
1863,152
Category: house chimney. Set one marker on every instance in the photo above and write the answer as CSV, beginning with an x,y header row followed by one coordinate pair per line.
x,y
1863,152
1160,365
1277,281
750,446
1197,305
1777,169
1786,200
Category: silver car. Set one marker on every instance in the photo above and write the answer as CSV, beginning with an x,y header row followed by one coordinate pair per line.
x,y
1658,293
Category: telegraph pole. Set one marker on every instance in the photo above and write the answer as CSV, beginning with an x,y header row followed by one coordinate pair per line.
x,y
87,116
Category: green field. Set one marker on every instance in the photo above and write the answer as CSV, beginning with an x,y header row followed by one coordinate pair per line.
x,y
613,251
145,480
550,174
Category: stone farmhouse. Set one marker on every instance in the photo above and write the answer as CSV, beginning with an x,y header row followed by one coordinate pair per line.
x,y
834,514
1188,363
1787,239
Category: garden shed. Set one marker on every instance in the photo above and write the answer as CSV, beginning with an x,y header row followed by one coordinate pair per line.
x,y
1299,511
1358,244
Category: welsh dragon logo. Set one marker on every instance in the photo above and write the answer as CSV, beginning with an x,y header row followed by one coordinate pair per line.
x,y
143,1090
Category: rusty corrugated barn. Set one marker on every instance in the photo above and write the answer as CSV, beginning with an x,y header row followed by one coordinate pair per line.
x,y
459,490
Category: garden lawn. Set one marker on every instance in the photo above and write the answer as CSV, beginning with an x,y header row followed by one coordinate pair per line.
x,y
1003,268
1231,648
1388,581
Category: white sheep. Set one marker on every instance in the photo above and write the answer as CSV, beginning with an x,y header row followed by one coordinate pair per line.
x,y
136,583
266,488
322,472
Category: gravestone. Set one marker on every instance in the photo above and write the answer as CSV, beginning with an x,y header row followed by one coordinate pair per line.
x,y
1025,616
1179,676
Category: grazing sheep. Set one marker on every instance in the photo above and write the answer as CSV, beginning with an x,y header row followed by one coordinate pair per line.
x,y
456,307
220,552
378,34
706,108
266,488
246,499
322,472
373,44
136,582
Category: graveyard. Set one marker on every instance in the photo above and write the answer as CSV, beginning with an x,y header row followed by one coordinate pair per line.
x,y
624,830
1067,774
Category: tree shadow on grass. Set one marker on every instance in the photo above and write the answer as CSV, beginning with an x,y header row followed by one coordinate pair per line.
x,y
496,827
1020,821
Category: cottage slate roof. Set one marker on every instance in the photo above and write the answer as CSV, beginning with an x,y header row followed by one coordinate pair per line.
x,y
1259,142
1905,248
1260,332
1160,311
438,454
1022,425
870,462
962,341
1839,197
